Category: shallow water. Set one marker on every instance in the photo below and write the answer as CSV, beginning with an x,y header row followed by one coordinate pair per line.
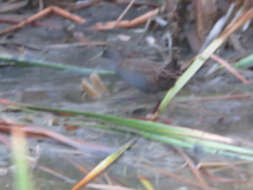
x,y
40,86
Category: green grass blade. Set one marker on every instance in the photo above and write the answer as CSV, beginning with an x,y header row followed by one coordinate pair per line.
x,y
22,61
170,134
244,63
189,73
22,175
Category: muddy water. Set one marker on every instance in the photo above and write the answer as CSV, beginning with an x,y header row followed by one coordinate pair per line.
x,y
47,87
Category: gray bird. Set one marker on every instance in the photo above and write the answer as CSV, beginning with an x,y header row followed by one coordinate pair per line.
x,y
146,75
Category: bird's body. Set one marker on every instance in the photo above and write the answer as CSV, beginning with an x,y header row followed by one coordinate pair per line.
x,y
144,74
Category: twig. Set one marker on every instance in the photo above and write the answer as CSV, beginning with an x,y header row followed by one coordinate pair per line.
x,y
194,169
125,23
177,177
37,131
229,68
124,12
52,9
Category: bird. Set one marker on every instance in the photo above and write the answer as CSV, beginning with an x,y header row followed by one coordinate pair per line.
x,y
146,75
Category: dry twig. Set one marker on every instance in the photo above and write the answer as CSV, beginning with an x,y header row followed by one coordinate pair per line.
x,y
229,68
126,23
44,12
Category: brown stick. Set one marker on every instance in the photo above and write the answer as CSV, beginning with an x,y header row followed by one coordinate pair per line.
x,y
229,68
52,9
126,23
